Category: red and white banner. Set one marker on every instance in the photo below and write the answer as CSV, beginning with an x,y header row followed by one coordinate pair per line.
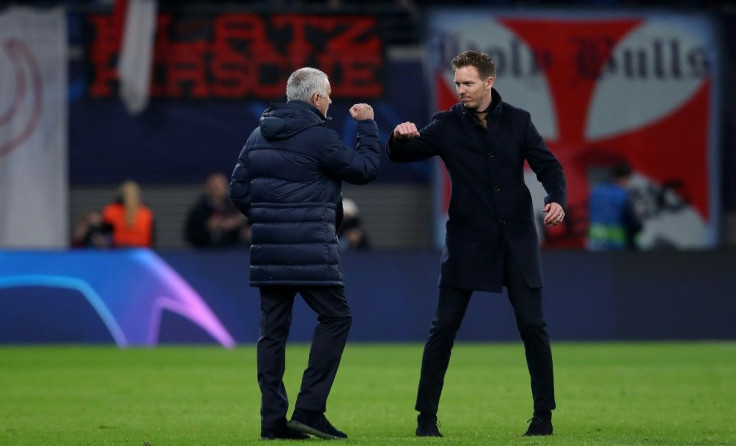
x,y
603,88
33,128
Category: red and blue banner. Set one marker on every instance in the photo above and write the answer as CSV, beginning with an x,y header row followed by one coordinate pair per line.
x,y
603,88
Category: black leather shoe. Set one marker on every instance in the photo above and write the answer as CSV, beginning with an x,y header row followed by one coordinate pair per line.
x,y
314,423
539,425
282,433
427,426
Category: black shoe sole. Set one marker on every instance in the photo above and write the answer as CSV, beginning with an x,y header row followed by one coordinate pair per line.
x,y
303,428
428,434
289,436
537,434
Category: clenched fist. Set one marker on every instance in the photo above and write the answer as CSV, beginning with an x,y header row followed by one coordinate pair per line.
x,y
406,130
361,112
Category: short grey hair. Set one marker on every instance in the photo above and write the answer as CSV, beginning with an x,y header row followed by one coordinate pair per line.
x,y
305,82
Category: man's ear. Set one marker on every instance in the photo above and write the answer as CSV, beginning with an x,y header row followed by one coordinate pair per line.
x,y
490,81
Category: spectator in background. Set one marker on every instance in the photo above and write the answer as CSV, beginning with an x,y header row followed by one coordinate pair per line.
x,y
130,219
352,236
92,232
614,223
214,221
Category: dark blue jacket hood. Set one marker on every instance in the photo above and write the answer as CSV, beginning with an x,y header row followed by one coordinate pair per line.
x,y
282,121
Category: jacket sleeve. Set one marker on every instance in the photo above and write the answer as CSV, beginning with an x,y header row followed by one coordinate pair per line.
x,y
545,165
356,166
426,145
240,183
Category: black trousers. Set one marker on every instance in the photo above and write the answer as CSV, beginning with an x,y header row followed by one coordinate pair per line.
x,y
328,343
527,305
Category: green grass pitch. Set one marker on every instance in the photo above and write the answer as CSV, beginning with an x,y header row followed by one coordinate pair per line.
x,y
607,394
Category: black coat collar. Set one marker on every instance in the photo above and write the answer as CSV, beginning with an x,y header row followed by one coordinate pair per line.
x,y
493,113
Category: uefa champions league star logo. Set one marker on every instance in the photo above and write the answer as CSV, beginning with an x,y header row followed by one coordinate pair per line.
x,y
20,116
130,290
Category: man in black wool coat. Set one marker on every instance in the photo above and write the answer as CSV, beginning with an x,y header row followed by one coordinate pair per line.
x,y
491,238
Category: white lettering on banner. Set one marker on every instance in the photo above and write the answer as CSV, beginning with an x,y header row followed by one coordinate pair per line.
x,y
603,88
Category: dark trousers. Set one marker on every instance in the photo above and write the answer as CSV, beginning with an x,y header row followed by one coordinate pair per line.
x,y
527,304
328,343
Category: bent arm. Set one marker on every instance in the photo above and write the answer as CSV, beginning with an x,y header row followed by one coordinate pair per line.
x,y
406,144
359,165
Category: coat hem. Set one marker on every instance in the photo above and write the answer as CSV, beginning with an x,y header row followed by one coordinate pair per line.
x,y
260,283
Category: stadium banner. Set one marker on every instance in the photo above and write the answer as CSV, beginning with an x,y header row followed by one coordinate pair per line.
x,y
33,128
138,297
59,289
242,55
602,88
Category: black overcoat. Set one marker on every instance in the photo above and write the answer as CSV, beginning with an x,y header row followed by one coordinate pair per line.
x,y
489,203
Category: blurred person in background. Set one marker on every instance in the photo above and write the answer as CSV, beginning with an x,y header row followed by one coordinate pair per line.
x,y
92,232
614,222
288,182
491,238
352,236
214,221
131,221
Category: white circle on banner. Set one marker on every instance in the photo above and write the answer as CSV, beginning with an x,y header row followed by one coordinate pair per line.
x,y
659,64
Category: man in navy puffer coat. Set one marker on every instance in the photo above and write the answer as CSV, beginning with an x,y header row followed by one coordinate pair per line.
x,y
288,183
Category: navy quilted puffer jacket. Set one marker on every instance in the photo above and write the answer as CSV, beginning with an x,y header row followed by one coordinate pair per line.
x,y
288,182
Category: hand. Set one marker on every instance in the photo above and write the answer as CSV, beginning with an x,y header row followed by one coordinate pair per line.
x,y
406,130
554,214
361,112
